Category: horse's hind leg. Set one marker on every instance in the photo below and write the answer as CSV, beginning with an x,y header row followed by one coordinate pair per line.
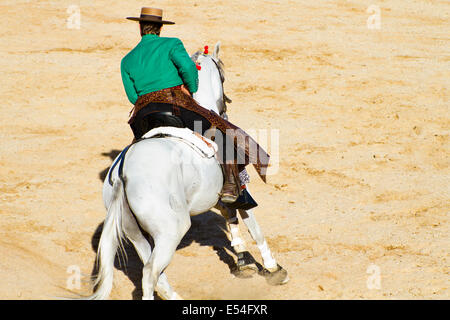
x,y
162,286
167,230
165,246
143,249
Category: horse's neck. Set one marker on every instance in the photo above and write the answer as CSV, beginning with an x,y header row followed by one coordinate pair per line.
x,y
210,92
208,101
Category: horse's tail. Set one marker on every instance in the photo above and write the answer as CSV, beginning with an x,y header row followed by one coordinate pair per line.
x,y
110,241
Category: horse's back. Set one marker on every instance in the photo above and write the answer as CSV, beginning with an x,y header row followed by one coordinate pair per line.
x,y
168,168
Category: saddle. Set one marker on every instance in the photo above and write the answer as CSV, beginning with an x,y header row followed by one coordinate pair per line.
x,y
149,121
164,119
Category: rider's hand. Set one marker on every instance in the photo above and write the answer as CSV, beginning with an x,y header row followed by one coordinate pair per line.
x,y
185,90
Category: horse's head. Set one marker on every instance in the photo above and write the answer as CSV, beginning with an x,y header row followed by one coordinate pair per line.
x,y
211,77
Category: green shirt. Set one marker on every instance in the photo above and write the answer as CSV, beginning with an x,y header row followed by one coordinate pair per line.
x,y
157,63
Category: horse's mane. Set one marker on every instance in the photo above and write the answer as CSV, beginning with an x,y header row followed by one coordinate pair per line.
x,y
220,66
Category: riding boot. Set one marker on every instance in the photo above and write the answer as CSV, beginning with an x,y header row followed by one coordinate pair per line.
x,y
231,185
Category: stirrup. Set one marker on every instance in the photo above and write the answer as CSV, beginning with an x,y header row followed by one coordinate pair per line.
x,y
228,197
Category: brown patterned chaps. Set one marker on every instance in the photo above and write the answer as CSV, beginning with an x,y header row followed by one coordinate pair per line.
x,y
234,144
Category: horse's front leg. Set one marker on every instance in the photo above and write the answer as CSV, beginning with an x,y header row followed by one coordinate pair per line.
x,y
246,264
273,272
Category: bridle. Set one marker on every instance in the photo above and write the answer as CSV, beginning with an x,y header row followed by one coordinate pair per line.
x,y
217,63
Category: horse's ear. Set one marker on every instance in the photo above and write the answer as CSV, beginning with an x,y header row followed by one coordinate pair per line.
x,y
216,50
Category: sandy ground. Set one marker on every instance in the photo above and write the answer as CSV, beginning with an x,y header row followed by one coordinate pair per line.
x,y
362,186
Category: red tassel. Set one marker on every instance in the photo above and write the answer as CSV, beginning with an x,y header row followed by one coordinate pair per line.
x,y
198,67
206,50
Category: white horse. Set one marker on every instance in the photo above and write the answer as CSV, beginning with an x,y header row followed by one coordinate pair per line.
x,y
158,192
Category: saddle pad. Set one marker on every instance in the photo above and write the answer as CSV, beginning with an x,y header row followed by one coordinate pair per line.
x,y
205,146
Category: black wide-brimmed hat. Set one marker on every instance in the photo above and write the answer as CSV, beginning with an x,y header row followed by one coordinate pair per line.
x,y
151,15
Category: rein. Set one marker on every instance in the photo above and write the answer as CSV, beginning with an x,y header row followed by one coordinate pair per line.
x,y
121,159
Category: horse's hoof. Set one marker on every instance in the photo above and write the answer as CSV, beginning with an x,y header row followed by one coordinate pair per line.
x,y
277,277
246,265
245,272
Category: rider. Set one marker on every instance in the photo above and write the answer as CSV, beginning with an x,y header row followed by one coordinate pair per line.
x,y
159,76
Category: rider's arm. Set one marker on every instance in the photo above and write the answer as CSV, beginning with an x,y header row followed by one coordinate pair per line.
x,y
186,67
128,83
